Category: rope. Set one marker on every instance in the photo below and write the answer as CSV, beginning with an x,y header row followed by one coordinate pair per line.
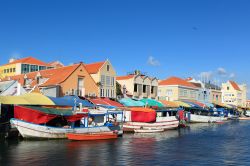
x,y
4,123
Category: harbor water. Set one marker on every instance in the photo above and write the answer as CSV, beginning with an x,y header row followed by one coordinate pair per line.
x,y
199,144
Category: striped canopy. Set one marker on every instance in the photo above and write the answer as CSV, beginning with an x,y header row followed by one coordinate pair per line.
x,y
128,102
152,103
182,104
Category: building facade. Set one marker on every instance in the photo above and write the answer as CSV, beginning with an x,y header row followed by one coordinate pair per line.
x,y
68,80
234,94
22,66
174,88
139,86
104,76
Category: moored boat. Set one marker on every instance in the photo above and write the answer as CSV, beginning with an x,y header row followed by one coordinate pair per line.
x,y
92,136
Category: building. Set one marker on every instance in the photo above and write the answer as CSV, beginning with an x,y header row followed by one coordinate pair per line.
x,y
248,104
215,94
203,92
11,88
234,94
104,76
175,88
68,80
138,86
22,66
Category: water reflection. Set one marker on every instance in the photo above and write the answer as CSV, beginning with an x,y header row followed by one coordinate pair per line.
x,y
206,144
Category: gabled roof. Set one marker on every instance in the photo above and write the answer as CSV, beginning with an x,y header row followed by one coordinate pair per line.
x,y
235,85
125,77
176,81
54,76
29,60
56,64
93,68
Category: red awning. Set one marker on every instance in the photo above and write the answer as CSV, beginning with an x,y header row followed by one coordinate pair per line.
x,y
105,101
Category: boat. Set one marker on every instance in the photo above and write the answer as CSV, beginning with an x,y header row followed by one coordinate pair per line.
x,y
146,118
42,123
204,116
149,130
244,118
92,136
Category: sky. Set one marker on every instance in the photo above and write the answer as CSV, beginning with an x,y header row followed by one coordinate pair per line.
x,y
185,38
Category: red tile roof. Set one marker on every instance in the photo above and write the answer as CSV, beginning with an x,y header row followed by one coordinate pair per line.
x,y
54,76
176,81
235,85
93,68
29,60
125,77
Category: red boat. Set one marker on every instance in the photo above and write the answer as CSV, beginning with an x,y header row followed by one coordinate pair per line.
x,y
92,136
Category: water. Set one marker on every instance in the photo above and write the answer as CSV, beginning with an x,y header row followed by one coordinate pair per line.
x,y
201,144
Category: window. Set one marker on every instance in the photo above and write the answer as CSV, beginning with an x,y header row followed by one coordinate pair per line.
x,y
135,87
10,70
228,88
25,68
103,80
5,71
108,80
107,67
102,92
169,92
14,69
144,88
33,68
185,93
42,67
152,89
112,81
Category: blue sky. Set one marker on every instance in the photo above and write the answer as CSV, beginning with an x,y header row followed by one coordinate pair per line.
x,y
160,37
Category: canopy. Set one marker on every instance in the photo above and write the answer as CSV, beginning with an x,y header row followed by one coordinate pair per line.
x,y
41,115
105,102
131,102
70,101
39,99
182,104
152,103
140,109
192,104
169,104
27,99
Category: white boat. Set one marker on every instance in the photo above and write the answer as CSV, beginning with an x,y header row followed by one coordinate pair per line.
x,y
205,119
148,130
30,130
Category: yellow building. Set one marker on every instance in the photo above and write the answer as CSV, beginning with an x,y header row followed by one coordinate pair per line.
x,y
104,76
21,66
234,94
175,88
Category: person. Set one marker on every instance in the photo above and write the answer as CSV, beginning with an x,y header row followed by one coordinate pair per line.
x,y
91,121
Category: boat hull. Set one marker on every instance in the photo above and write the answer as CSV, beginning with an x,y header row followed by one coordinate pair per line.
x,y
148,130
165,124
34,131
91,136
205,119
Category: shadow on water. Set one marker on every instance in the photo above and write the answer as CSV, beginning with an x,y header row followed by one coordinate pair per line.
x,y
206,144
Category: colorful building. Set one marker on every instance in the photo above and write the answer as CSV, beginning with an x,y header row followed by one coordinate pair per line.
x,y
215,94
104,76
22,66
175,88
69,80
234,94
137,85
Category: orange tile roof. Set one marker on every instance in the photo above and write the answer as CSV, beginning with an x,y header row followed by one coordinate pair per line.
x,y
56,64
235,85
54,76
28,60
125,77
93,68
176,81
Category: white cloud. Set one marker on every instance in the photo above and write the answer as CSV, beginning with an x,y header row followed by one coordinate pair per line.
x,y
152,61
222,71
232,75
